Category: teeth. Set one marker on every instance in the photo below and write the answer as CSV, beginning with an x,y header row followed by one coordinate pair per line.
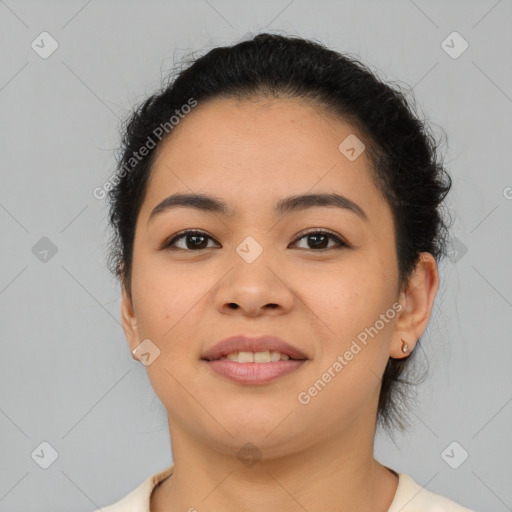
x,y
262,357
245,357
256,357
275,356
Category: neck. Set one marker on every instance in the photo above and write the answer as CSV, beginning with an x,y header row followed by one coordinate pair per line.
x,y
338,473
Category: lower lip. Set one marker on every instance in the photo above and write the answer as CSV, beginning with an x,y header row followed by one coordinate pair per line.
x,y
254,373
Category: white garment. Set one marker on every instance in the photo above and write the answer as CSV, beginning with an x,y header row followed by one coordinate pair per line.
x,y
409,497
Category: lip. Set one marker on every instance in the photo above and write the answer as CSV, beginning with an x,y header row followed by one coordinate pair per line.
x,y
245,343
253,373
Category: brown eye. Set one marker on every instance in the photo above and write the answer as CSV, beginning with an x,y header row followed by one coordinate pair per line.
x,y
193,240
319,240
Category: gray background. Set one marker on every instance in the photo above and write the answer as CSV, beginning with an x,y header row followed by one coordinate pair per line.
x,y
67,376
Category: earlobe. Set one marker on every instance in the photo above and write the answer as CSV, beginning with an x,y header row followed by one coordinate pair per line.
x,y
404,351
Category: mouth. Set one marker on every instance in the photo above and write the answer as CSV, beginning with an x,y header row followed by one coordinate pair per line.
x,y
253,360
257,357
261,347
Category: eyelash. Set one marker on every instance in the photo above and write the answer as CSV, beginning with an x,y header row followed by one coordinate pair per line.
x,y
168,245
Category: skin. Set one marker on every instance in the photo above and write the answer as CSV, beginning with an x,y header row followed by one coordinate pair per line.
x,y
317,456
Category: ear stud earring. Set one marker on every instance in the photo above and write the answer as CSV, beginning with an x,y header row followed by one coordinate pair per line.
x,y
405,347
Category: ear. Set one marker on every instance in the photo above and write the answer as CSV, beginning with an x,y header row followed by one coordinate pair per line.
x,y
129,321
417,300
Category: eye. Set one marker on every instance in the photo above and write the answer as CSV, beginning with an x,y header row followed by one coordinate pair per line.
x,y
193,240
198,240
319,238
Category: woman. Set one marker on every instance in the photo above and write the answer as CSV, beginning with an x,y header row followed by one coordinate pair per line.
x,y
278,224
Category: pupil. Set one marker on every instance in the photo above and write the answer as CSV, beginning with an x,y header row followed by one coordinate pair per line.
x,y
316,237
195,238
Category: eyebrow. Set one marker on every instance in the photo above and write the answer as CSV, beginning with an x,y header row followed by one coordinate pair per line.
x,y
301,202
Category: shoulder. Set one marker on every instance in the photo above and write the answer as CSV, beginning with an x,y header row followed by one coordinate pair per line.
x,y
412,497
138,500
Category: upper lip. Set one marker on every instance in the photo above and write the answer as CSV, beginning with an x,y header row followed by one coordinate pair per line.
x,y
251,343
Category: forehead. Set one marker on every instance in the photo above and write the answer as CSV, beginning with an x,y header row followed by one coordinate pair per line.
x,y
253,152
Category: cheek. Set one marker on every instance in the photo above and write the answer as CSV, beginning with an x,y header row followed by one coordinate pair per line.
x,y
164,304
163,298
355,306
347,373
348,299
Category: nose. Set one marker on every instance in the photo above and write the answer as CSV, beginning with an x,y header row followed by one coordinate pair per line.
x,y
254,289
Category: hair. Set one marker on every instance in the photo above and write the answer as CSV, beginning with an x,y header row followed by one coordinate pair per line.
x,y
402,151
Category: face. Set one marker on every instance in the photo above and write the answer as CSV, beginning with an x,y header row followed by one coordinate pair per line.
x,y
319,277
